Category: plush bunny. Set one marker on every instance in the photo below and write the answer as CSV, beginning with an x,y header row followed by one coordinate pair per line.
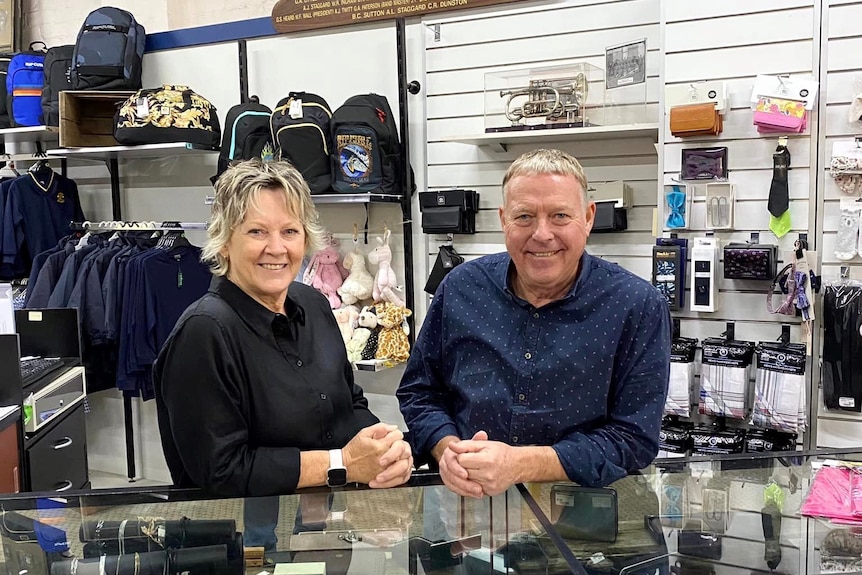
x,y
346,318
327,275
358,285
392,342
385,282
357,343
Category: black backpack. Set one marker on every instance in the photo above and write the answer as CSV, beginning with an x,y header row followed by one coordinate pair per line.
x,y
109,51
246,135
300,132
58,62
5,121
366,155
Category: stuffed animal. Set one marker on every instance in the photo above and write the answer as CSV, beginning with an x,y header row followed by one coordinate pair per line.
x,y
359,283
392,342
385,282
327,274
357,343
346,318
368,320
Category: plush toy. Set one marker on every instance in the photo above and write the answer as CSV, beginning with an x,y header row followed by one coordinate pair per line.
x,y
385,282
393,342
368,320
359,283
357,343
346,318
326,277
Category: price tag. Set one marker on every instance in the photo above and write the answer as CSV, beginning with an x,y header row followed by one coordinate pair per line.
x,y
295,110
142,108
701,469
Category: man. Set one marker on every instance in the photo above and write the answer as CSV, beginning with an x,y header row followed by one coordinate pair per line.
x,y
542,363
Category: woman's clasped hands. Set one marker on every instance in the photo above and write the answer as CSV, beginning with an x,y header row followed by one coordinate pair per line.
x,y
378,456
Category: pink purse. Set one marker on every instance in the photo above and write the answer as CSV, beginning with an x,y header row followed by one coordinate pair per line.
x,y
775,115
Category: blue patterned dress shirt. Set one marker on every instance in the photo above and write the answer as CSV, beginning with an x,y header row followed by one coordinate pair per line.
x,y
586,374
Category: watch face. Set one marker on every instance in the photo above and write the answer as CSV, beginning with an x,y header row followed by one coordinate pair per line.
x,y
336,477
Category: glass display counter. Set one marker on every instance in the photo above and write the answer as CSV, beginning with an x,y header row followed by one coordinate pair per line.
x,y
723,515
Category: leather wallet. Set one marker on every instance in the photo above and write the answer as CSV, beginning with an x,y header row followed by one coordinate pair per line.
x,y
584,513
699,544
695,120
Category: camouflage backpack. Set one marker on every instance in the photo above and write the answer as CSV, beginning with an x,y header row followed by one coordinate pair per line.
x,y
167,114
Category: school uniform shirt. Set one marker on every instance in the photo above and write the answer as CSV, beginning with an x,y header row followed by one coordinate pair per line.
x,y
37,214
586,374
241,391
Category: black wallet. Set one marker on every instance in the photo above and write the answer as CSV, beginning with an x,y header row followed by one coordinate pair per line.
x,y
449,211
584,513
609,218
699,544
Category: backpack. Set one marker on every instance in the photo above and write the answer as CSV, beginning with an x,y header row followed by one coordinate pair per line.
x,y
58,62
109,52
24,81
300,132
366,154
5,59
246,134
165,115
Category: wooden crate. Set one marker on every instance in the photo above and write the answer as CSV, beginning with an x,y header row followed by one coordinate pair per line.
x,y
87,117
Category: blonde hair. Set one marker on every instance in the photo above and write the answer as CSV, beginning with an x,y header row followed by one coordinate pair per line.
x,y
239,188
545,161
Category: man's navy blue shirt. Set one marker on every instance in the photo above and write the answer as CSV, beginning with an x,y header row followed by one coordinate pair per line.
x,y
586,374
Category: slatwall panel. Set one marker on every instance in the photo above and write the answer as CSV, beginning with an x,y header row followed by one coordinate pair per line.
x,y
842,79
733,42
505,39
716,41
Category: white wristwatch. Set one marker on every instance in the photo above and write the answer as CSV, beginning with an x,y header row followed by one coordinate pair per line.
x,y
336,475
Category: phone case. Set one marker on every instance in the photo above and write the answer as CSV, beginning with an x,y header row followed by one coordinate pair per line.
x,y
584,513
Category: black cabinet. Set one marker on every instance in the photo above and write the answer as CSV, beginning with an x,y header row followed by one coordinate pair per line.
x,y
57,457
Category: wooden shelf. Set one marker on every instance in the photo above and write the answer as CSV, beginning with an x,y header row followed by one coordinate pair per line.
x,y
29,134
130,152
500,140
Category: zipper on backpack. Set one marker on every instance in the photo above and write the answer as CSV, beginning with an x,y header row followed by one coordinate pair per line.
x,y
233,129
303,125
304,104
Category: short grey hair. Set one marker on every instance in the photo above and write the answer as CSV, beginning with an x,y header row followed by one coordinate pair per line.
x,y
239,188
547,161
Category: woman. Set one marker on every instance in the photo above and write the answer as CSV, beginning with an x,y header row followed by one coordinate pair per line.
x,y
254,391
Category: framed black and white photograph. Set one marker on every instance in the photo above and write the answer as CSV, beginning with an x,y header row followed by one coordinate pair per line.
x,y
625,64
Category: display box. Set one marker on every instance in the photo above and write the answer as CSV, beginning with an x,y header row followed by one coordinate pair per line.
x,y
566,96
87,117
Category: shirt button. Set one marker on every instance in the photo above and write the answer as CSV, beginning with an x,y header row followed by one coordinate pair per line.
x,y
528,355
521,397
514,439
536,315
298,363
323,396
328,436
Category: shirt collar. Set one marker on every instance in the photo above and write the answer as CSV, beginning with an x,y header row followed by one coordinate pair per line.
x,y
252,311
584,270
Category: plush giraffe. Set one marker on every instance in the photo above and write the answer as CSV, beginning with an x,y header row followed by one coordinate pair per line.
x,y
392,342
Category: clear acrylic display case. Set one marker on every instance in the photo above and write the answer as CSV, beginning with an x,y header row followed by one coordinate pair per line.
x,y
565,96
695,514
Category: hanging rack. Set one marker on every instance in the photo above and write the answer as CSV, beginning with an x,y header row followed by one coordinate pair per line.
x,y
114,225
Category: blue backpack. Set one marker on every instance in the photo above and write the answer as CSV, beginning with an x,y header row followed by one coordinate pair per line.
x,y
24,81
109,52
